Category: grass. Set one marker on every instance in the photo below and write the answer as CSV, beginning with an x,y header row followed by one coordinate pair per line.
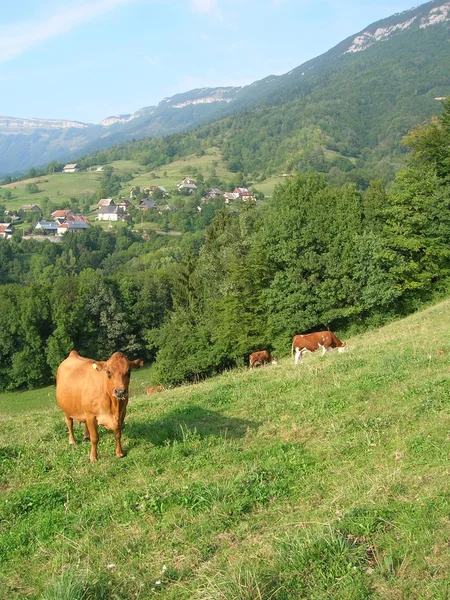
x,y
60,187
322,480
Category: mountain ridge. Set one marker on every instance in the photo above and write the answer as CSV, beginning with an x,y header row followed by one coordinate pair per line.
x,y
35,142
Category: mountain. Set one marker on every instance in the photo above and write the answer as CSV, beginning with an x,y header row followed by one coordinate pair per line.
x,y
366,92
26,143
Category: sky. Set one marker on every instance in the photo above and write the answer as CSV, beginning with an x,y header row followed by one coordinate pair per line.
x,y
91,59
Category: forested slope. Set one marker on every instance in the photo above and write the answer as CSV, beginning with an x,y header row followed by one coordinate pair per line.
x,y
315,255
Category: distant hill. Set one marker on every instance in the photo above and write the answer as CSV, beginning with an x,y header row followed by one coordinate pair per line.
x,y
351,104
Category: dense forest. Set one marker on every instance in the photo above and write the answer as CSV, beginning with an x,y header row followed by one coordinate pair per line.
x,y
315,255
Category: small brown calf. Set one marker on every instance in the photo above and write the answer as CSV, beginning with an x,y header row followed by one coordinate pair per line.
x,y
154,389
261,358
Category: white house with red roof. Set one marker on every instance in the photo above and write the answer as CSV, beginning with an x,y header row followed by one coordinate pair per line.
x,y
5,231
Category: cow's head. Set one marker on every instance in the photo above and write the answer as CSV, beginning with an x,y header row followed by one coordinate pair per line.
x,y
343,348
118,370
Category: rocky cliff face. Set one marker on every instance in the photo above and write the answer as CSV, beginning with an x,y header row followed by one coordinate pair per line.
x,y
12,125
435,15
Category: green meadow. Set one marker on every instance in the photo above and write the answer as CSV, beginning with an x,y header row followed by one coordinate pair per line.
x,y
328,479
58,187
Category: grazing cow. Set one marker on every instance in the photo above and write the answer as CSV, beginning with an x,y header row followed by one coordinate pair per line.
x,y
154,389
313,341
261,358
95,393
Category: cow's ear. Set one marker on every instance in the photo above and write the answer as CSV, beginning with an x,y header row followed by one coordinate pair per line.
x,y
99,366
136,364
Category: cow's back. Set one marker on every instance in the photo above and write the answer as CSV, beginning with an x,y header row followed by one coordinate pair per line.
x,y
312,341
76,385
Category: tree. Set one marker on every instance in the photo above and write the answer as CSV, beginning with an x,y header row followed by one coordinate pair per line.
x,y
418,229
317,279
32,188
430,143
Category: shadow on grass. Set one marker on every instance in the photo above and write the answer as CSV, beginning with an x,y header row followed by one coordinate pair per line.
x,y
178,425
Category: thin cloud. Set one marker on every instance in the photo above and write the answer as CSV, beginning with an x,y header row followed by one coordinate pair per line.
x,y
155,61
20,37
205,6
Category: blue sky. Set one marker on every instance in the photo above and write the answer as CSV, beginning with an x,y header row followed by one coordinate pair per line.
x,y
90,59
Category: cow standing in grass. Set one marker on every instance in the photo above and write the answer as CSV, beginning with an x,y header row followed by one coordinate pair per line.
x,y
310,342
262,357
154,389
95,393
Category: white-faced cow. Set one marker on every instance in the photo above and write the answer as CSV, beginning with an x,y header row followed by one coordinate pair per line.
x,y
310,342
95,393
261,358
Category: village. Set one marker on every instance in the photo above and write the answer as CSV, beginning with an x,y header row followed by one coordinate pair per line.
x,y
141,201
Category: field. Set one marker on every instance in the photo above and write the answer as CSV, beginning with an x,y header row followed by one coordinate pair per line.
x,y
325,480
60,187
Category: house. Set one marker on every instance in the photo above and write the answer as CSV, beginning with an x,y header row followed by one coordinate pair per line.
x,y
5,231
124,205
72,226
30,208
152,188
109,213
187,185
72,168
147,203
76,219
244,193
211,194
105,202
230,196
46,227
60,215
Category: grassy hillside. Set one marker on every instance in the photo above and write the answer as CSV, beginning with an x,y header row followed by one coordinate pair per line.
x,y
60,187
322,480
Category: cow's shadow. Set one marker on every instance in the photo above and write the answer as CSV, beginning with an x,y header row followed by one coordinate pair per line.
x,y
187,423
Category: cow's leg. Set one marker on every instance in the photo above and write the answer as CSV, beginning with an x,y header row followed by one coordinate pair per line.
x,y
324,350
69,423
118,433
298,355
91,424
119,451
86,436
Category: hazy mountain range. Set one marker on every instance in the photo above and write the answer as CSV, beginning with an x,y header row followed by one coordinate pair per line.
x,y
413,43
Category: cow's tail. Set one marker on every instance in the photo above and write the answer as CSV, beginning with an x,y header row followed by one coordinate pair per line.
x,y
292,349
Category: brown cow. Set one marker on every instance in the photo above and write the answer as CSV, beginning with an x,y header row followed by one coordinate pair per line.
x,y
261,358
95,393
313,341
154,389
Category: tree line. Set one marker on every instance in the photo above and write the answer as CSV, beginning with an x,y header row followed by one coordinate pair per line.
x,y
315,255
